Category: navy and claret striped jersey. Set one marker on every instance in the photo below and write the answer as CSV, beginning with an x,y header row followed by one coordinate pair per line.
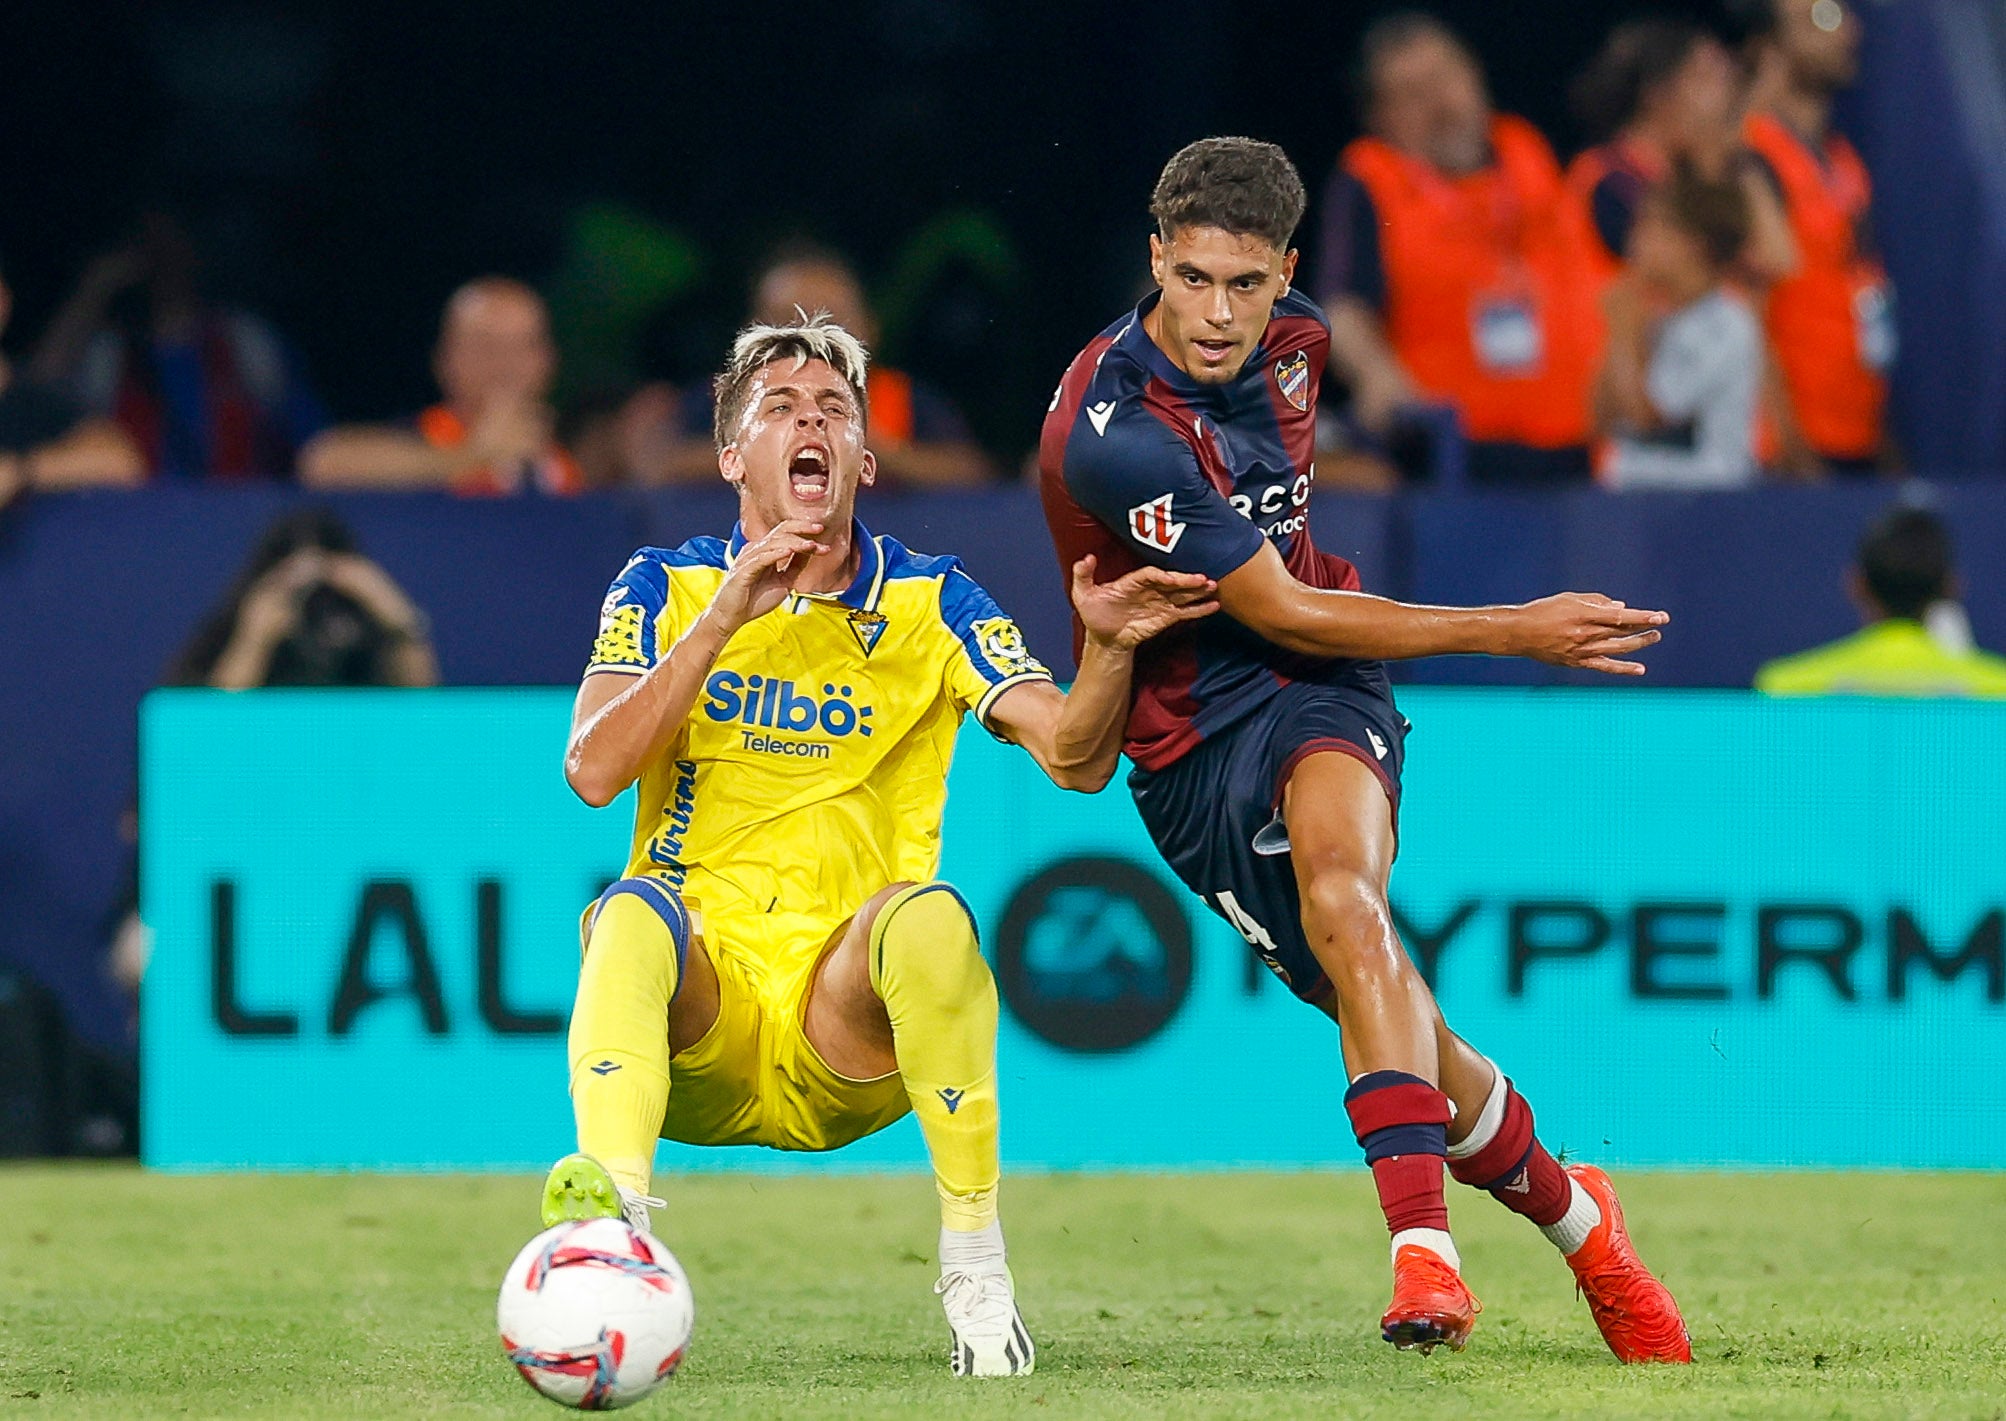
x,y
1139,463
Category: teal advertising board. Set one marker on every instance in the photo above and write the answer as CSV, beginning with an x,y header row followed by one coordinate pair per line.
x,y
1698,928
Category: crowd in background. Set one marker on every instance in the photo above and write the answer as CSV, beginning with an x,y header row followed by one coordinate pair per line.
x,y
1693,299
1692,302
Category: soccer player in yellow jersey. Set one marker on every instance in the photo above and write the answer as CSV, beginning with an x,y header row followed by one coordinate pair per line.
x,y
779,965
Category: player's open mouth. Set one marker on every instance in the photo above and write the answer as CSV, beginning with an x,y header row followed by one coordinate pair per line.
x,y
808,473
1214,351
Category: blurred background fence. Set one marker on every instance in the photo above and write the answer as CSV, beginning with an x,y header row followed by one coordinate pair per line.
x,y
99,591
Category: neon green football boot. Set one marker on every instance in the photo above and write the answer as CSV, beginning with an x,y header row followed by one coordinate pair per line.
x,y
580,1188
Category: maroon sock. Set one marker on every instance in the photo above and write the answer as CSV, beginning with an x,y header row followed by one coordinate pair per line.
x,y
1515,1169
1403,1122
1410,1192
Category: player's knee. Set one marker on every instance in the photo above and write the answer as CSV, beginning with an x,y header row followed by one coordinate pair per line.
x,y
924,944
1346,912
646,906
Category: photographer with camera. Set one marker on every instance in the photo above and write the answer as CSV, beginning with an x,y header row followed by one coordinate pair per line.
x,y
309,610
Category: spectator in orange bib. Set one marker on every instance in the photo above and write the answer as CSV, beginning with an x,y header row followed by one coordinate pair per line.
x,y
1831,324
491,434
1455,267
1660,92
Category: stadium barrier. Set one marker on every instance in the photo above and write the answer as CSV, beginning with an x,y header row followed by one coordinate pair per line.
x,y
1699,928
97,591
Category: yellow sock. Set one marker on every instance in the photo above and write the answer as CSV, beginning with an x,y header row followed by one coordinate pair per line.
x,y
620,1027
928,970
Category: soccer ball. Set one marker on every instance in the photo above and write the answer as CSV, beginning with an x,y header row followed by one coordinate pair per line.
x,y
595,1314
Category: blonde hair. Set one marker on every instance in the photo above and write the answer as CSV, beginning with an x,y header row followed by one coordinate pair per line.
x,y
815,337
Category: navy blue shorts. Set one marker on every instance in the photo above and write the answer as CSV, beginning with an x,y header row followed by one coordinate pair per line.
x,y
1215,814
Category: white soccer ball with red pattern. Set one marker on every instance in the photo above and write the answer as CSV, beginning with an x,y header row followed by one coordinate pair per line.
x,y
595,1314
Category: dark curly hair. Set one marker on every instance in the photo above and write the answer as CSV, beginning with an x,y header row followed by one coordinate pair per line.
x,y
1239,185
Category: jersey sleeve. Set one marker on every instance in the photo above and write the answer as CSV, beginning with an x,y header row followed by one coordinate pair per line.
x,y
1144,484
989,655
630,619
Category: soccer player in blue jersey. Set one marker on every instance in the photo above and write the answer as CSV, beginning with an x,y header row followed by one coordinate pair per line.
x,y
1266,745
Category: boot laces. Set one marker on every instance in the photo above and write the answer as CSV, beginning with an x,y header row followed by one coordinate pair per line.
x,y
634,1208
977,1302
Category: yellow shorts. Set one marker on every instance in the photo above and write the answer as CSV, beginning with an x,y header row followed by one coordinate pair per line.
x,y
754,1078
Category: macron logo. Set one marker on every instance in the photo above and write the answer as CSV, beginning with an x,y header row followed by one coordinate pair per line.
x,y
1151,523
1098,416
1378,745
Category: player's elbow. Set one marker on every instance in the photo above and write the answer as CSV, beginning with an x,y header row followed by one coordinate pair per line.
x,y
593,792
1316,624
1336,645
1298,635
589,782
1082,779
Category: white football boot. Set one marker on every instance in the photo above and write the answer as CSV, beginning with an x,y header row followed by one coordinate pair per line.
x,y
987,1333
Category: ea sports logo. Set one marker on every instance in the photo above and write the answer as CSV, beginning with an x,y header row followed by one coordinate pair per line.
x,y
1094,954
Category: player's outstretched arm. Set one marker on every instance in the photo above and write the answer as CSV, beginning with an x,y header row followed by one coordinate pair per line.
x,y
619,724
1582,629
1075,736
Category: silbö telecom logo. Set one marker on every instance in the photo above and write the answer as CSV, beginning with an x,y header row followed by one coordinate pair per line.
x,y
759,703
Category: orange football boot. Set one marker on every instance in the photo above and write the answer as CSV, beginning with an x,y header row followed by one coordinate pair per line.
x,y
1635,1312
1432,1306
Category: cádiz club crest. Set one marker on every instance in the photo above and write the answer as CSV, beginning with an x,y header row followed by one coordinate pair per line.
x,y
868,627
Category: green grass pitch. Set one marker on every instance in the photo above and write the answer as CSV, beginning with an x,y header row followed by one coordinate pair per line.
x,y
124,1294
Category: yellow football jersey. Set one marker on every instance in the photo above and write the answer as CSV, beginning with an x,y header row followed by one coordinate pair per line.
x,y
812,771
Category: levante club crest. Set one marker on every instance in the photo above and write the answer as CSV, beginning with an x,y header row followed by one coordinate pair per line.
x,y
1293,376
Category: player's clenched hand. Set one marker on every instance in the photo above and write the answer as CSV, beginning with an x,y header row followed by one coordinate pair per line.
x,y
766,571
1130,610
1587,630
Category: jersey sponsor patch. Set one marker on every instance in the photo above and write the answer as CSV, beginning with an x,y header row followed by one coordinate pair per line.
x,y
619,642
1151,523
1293,377
1002,646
